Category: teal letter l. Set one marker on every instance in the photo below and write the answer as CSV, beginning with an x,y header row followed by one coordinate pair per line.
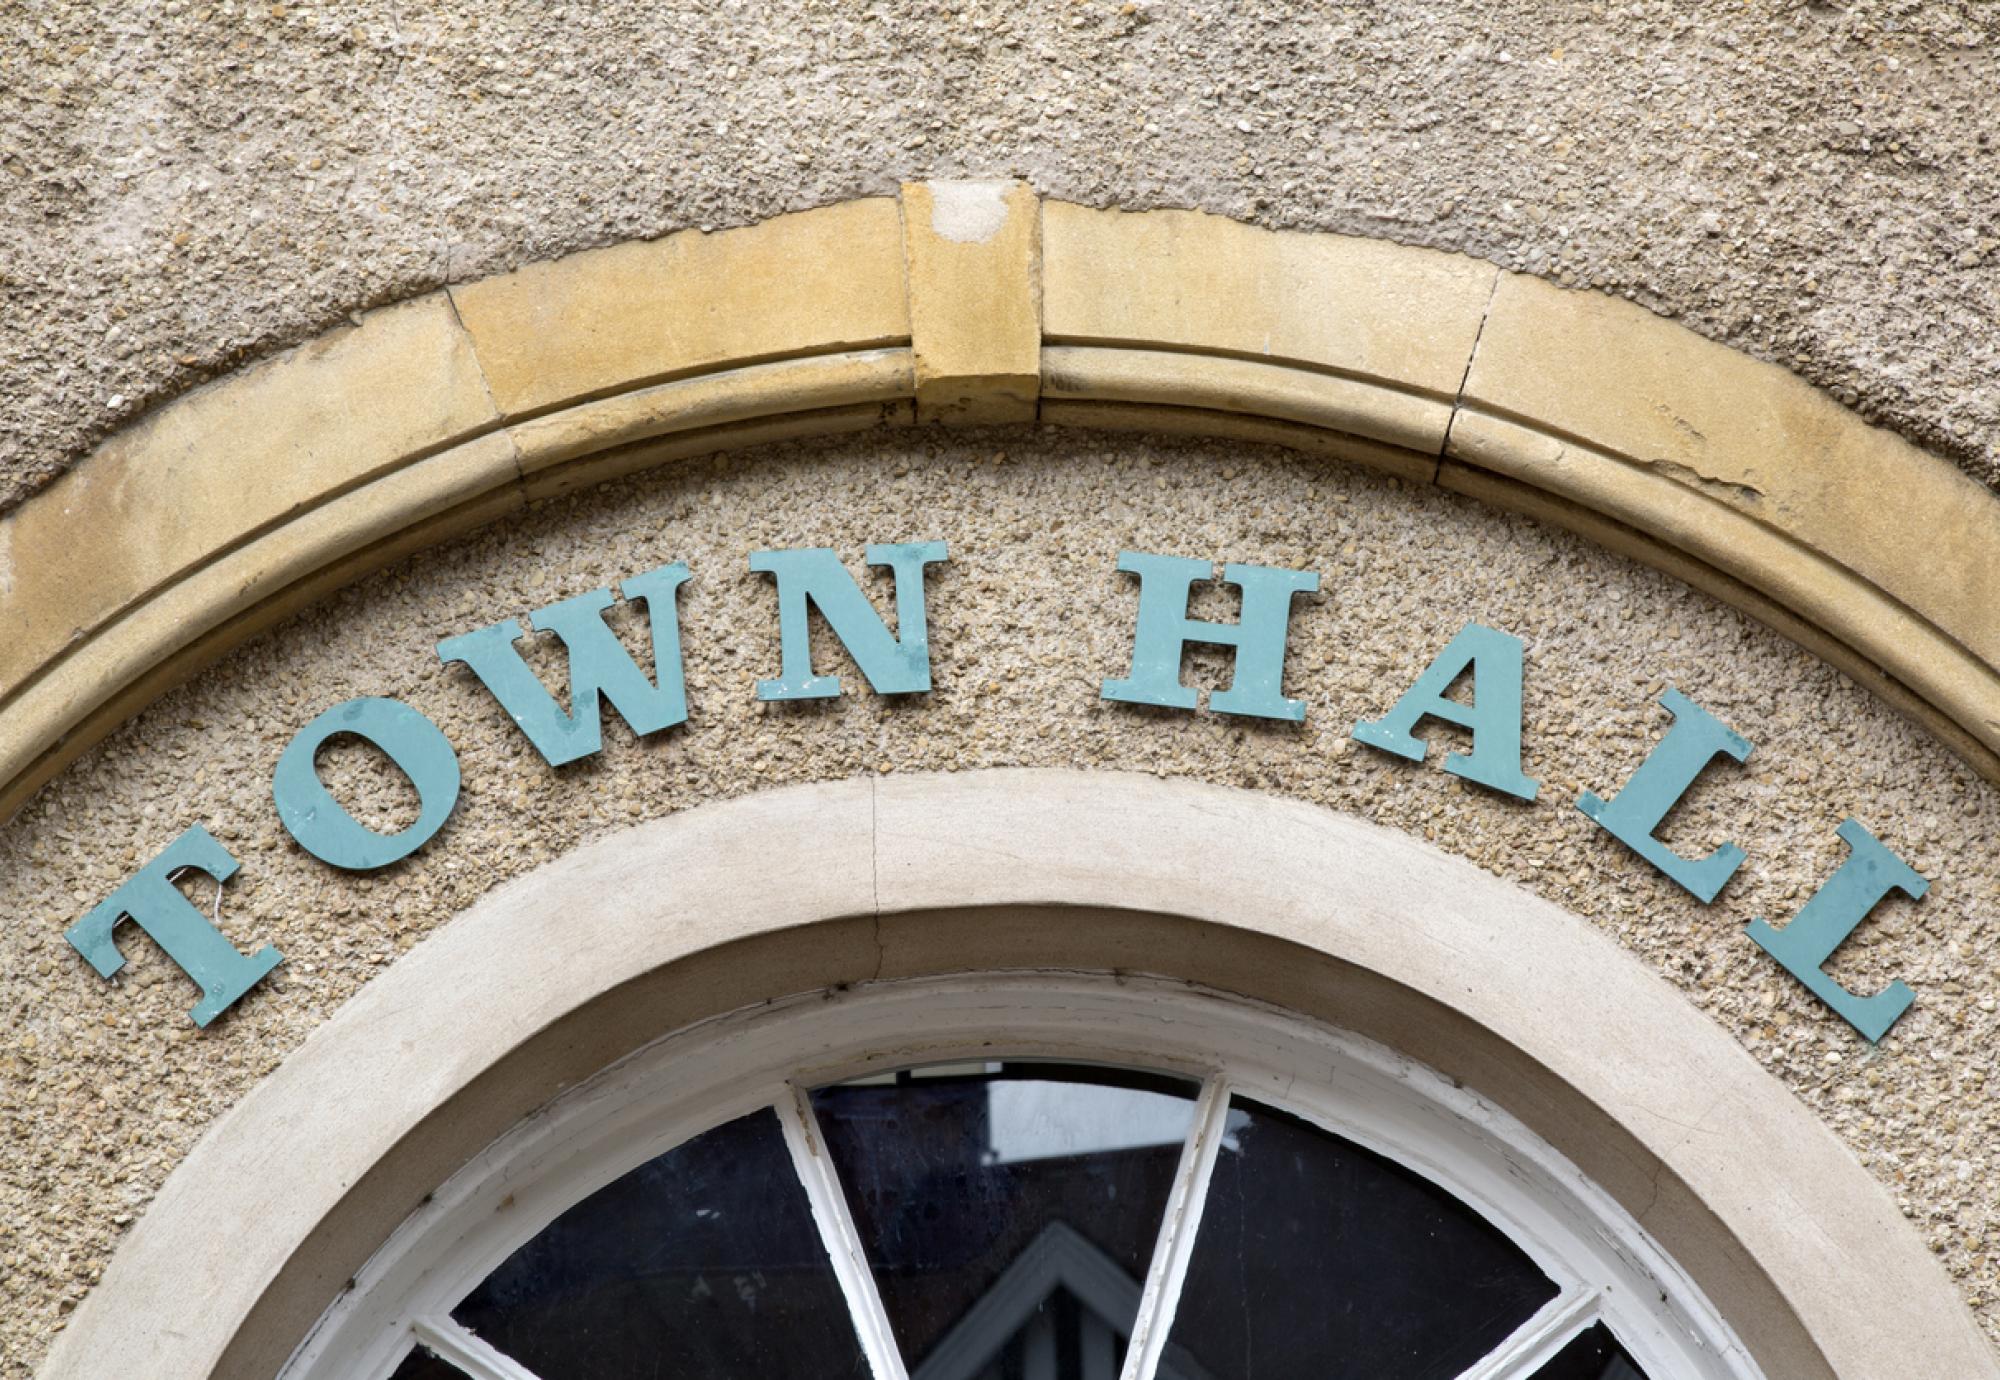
x,y
1870,873
1696,739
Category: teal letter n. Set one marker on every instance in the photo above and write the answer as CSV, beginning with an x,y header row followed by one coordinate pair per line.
x,y
899,665
1258,636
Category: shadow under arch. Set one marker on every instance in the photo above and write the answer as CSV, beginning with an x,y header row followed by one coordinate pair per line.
x,y
559,974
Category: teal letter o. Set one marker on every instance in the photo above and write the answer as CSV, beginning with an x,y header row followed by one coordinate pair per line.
x,y
322,825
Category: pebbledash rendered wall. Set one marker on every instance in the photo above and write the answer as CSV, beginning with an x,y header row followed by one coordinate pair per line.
x,y
108,1086
196,185
219,181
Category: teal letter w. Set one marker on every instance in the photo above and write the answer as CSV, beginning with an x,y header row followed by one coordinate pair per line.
x,y
598,665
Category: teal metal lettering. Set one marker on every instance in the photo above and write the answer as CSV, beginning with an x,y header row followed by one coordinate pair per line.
x,y
1258,636
322,825
598,666
152,901
899,665
1494,716
1696,739
1860,883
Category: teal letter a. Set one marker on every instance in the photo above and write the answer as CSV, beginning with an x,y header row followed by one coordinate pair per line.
x,y
1494,716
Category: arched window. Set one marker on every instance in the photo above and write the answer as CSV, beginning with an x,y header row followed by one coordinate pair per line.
x,y
1020,1177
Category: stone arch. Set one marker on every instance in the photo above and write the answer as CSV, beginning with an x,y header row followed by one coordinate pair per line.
x,y
979,303
1321,914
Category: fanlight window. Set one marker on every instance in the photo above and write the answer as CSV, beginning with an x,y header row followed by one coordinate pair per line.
x,y
1020,1220
1019,1176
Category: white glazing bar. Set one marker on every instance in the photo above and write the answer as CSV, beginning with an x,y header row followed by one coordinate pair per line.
x,y
1177,1232
836,1230
478,1360
1536,1341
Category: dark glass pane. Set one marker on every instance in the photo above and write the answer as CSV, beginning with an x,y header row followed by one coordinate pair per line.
x,y
1316,1257
1593,1355
421,1365
1009,1211
702,1264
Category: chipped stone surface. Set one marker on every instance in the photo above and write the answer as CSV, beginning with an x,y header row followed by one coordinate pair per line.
x,y
104,1086
198,183
973,256
969,212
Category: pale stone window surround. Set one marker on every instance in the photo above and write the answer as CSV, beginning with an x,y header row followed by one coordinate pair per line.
x,y
298,1187
1603,1262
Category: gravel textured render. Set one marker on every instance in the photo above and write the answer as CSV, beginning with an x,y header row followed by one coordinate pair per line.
x,y
197,183
104,1086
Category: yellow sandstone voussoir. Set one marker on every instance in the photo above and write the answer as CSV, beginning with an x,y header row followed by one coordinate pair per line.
x,y
1403,320
973,251
718,398
1251,388
180,628
1679,416
975,303
215,468
609,320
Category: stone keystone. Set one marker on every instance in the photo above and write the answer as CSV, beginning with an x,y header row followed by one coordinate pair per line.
x,y
974,255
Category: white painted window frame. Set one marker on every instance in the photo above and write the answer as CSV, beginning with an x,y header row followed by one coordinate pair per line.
x,y
1605,1264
